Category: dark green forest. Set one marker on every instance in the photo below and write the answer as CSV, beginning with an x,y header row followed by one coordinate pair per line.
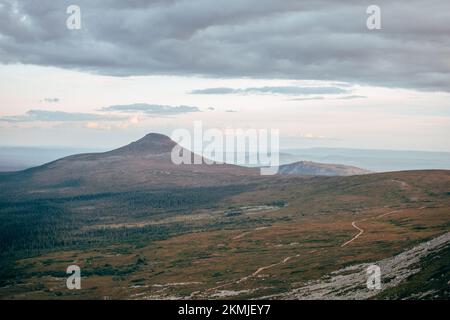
x,y
35,226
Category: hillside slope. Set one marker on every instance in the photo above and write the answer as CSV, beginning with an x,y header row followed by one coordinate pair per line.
x,y
143,228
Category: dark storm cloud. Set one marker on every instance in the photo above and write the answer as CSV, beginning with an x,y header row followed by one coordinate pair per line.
x,y
287,90
311,39
48,116
151,109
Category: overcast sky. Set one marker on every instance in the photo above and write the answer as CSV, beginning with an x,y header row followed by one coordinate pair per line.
x,y
309,68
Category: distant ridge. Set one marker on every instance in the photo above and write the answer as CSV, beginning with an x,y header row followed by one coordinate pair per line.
x,y
320,169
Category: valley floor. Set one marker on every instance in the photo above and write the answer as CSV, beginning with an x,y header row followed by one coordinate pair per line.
x,y
316,243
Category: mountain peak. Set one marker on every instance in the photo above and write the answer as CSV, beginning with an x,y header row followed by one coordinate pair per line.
x,y
154,137
152,143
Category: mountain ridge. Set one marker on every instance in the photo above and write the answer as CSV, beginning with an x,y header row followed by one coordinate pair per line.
x,y
321,169
144,163
151,143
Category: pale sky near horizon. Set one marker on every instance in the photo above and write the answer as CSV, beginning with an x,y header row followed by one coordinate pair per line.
x,y
115,90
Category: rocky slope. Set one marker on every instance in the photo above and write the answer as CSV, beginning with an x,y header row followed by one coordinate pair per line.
x,y
350,283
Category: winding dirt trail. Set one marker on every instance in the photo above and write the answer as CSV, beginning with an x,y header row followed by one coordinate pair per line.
x,y
254,274
361,231
285,260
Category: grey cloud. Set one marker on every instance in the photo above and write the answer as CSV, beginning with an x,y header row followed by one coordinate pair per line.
x,y
287,90
352,97
306,99
215,91
46,115
151,109
290,39
61,116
